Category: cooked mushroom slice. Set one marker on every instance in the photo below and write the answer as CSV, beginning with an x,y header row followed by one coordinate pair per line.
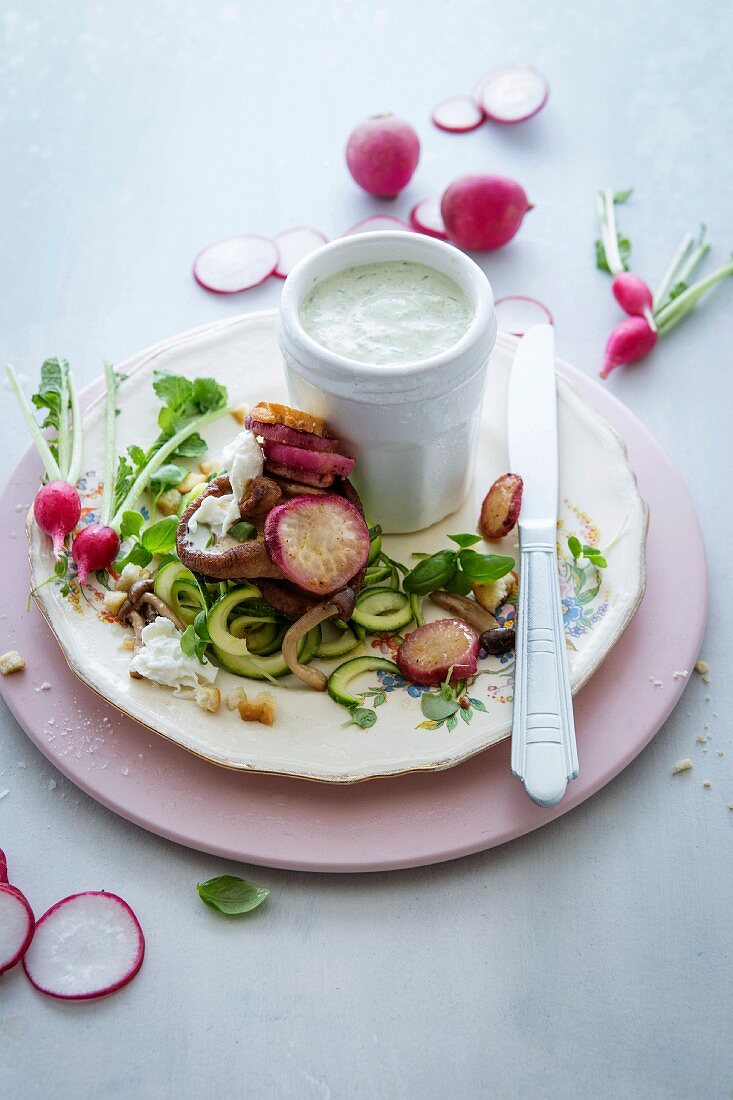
x,y
137,623
261,497
341,604
467,610
161,608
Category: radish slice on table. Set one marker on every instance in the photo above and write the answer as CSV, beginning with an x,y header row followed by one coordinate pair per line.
x,y
3,867
516,313
427,218
431,652
17,925
512,93
318,543
85,946
376,222
293,437
458,115
316,462
293,245
235,264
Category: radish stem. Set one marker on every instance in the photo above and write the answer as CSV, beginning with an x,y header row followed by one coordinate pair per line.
x,y
694,259
75,463
50,464
678,258
109,454
680,306
141,481
63,432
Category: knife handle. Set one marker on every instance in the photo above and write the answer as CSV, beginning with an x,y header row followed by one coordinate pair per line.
x,y
544,753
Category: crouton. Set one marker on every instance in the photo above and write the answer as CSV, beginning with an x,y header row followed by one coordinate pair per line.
x,y
12,662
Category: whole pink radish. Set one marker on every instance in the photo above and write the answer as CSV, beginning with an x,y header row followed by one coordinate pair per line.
x,y
483,212
631,340
382,153
632,294
94,547
57,509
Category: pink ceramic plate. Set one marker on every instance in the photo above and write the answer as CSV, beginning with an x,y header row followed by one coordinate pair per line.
x,y
391,823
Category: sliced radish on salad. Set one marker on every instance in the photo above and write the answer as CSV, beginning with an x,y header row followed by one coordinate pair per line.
x,y
318,543
85,946
376,222
235,264
458,115
17,925
516,313
293,245
437,650
316,462
426,217
293,437
307,478
512,93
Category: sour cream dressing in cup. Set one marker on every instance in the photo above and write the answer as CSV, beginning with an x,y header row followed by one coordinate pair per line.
x,y
387,336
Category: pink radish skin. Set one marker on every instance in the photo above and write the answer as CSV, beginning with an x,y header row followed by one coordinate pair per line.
x,y
458,115
86,946
632,294
17,926
317,542
382,153
376,223
57,509
315,462
631,340
281,433
293,245
511,94
235,264
516,313
94,547
426,218
429,653
3,867
483,212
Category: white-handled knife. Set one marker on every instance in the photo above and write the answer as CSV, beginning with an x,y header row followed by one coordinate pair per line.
x,y
544,753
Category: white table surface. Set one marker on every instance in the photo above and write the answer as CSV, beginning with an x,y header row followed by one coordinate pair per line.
x,y
592,958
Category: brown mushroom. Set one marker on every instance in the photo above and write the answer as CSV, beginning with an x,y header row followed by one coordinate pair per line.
x,y
469,611
260,498
159,607
341,604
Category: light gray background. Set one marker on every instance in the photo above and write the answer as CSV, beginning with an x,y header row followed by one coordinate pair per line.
x,y
592,958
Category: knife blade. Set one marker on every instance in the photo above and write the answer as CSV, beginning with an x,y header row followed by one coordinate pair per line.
x,y
544,752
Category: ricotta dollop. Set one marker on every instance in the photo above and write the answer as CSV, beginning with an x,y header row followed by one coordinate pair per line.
x,y
242,460
162,660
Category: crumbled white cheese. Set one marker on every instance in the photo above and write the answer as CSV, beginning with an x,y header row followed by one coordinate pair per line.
x,y
682,766
162,660
242,460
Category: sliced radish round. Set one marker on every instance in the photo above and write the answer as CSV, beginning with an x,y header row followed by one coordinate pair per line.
x,y
431,652
3,867
281,433
516,313
17,925
235,264
458,115
376,222
312,462
512,93
85,946
293,245
318,543
426,217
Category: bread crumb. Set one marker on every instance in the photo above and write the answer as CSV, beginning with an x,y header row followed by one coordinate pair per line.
x,y
208,698
113,601
169,503
707,784
702,667
680,675
261,709
207,468
128,644
730,805
493,594
128,576
234,698
240,413
11,662
701,738
190,481
683,765
657,683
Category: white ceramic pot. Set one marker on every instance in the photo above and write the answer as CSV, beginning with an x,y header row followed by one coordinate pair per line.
x,y
411,427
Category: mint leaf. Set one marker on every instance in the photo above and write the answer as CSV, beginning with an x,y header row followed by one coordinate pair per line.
x,y
160,538
231,895
465,540
484,567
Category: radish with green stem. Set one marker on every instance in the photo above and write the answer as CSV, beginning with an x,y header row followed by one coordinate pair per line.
x,y
50,465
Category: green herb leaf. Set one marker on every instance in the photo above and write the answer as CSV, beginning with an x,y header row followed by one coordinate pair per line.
x,y
243,531
208,395
167,477
138,555
160,538
484,567
623,196
189,641
465,540
361,717
374,531
431,573
436,708
624,249
459,584
191,447
172,389
231,895
132,524
574,547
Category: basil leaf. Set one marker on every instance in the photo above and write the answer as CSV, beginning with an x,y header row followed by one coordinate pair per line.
x,y
131,525
242,531
137,556
435,707
200,626
484,567
231,895
160,538
460,584
361,717
465,540
574,547
431,573
189,641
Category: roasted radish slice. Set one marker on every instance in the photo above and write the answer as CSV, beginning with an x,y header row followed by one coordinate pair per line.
x,y
306,479
235,264
295,244
280,433
312,462
501,506
17,925
318,543
270,412
85,946
458,115
434,651
426,218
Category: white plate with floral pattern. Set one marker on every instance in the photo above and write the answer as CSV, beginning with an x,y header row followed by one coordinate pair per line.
x,y
600,504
